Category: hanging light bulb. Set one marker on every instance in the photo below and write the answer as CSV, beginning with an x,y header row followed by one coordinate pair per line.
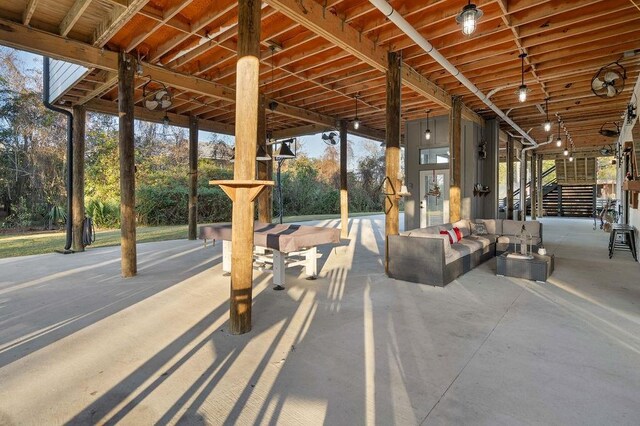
x,y
427,133
522,90
547,124
559,140
356,121
571,157
469,18
566,150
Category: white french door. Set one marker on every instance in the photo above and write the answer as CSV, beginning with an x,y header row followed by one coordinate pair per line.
x,y
434,209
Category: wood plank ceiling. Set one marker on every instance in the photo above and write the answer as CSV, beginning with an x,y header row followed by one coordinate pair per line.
x,y
317,55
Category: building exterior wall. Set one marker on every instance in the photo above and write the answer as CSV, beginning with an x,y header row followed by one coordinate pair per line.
x,y
474,170
62,75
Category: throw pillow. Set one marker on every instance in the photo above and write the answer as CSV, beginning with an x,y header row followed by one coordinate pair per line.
x,y
458,233
479,228
453,237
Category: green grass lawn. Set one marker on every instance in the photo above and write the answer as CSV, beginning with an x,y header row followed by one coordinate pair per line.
x,y
24,244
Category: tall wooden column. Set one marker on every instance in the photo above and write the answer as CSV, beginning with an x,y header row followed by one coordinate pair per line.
x,y
455,163
534,186
247,78
523,186
392,157
344,195
510,175
265,168
126,70
77,200
193,177
539,185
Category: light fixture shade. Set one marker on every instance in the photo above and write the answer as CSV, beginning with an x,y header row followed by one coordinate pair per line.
x,y
427,134
285,152
558,142
356,123
566,152
571,157
404,192
468,18
522,93
547,126
262,155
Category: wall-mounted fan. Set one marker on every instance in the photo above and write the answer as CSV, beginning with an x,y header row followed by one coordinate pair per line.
x,y
609,80
158,99
607,130
330,139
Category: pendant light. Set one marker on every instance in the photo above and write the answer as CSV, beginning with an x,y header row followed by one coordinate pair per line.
x,y
427,133
566,150
559,140
547,124
522,90
356,121
469,18
571,157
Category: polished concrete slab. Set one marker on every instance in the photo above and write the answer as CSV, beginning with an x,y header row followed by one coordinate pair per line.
x,y
80,345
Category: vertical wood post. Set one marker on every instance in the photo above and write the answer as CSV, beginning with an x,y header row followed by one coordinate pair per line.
x,y
455,163
79,121
392,157
534,186
126,70
247,78
540,193
523,186
193,177
344,195
265,206
510,176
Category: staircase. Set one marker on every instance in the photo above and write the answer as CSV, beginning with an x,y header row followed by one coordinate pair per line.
x,y
576,200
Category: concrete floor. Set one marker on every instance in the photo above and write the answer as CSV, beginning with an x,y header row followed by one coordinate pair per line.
x,y
80,345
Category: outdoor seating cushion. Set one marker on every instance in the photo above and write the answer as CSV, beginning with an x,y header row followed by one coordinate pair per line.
x,y
486,240
493,226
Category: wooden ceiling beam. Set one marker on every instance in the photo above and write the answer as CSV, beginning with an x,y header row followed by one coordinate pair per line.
x,y
40,42
140,113
76,11
117,19
29,9
332,28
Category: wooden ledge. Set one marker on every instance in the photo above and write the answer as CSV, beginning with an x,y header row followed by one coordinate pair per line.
x,y
255,187
631,185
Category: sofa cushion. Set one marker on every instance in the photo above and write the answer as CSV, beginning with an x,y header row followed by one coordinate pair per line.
x,y
485,240
472,243
494,226
453,235
463,226
430,230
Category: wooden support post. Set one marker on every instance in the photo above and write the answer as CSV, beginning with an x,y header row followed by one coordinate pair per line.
x,y
534,186
247,75
539,184
510,176
79,120
126,71
455,163
193,177
265,206
392,157
344,195
523,186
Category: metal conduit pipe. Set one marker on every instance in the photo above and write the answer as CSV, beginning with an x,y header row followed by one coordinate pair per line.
x,y
414,35
47,104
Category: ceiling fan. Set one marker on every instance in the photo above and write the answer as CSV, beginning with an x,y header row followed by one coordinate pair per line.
x,y
156,100
609,80
610,133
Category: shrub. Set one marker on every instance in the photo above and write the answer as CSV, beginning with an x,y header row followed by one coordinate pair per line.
x,y
104,215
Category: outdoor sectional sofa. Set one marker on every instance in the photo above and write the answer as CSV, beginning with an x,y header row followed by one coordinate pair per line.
x,y
426,256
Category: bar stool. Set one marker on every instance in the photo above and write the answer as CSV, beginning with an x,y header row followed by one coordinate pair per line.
x,y
627,241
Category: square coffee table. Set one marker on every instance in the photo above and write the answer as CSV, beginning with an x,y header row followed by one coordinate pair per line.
x,y
539,268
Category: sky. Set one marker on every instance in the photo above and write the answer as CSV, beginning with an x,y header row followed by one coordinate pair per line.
x,y
313,145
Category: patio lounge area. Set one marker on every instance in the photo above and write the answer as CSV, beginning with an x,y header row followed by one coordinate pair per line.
x,y
79,344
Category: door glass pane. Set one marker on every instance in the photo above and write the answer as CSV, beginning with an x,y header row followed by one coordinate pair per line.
x,y
434,155
434,199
